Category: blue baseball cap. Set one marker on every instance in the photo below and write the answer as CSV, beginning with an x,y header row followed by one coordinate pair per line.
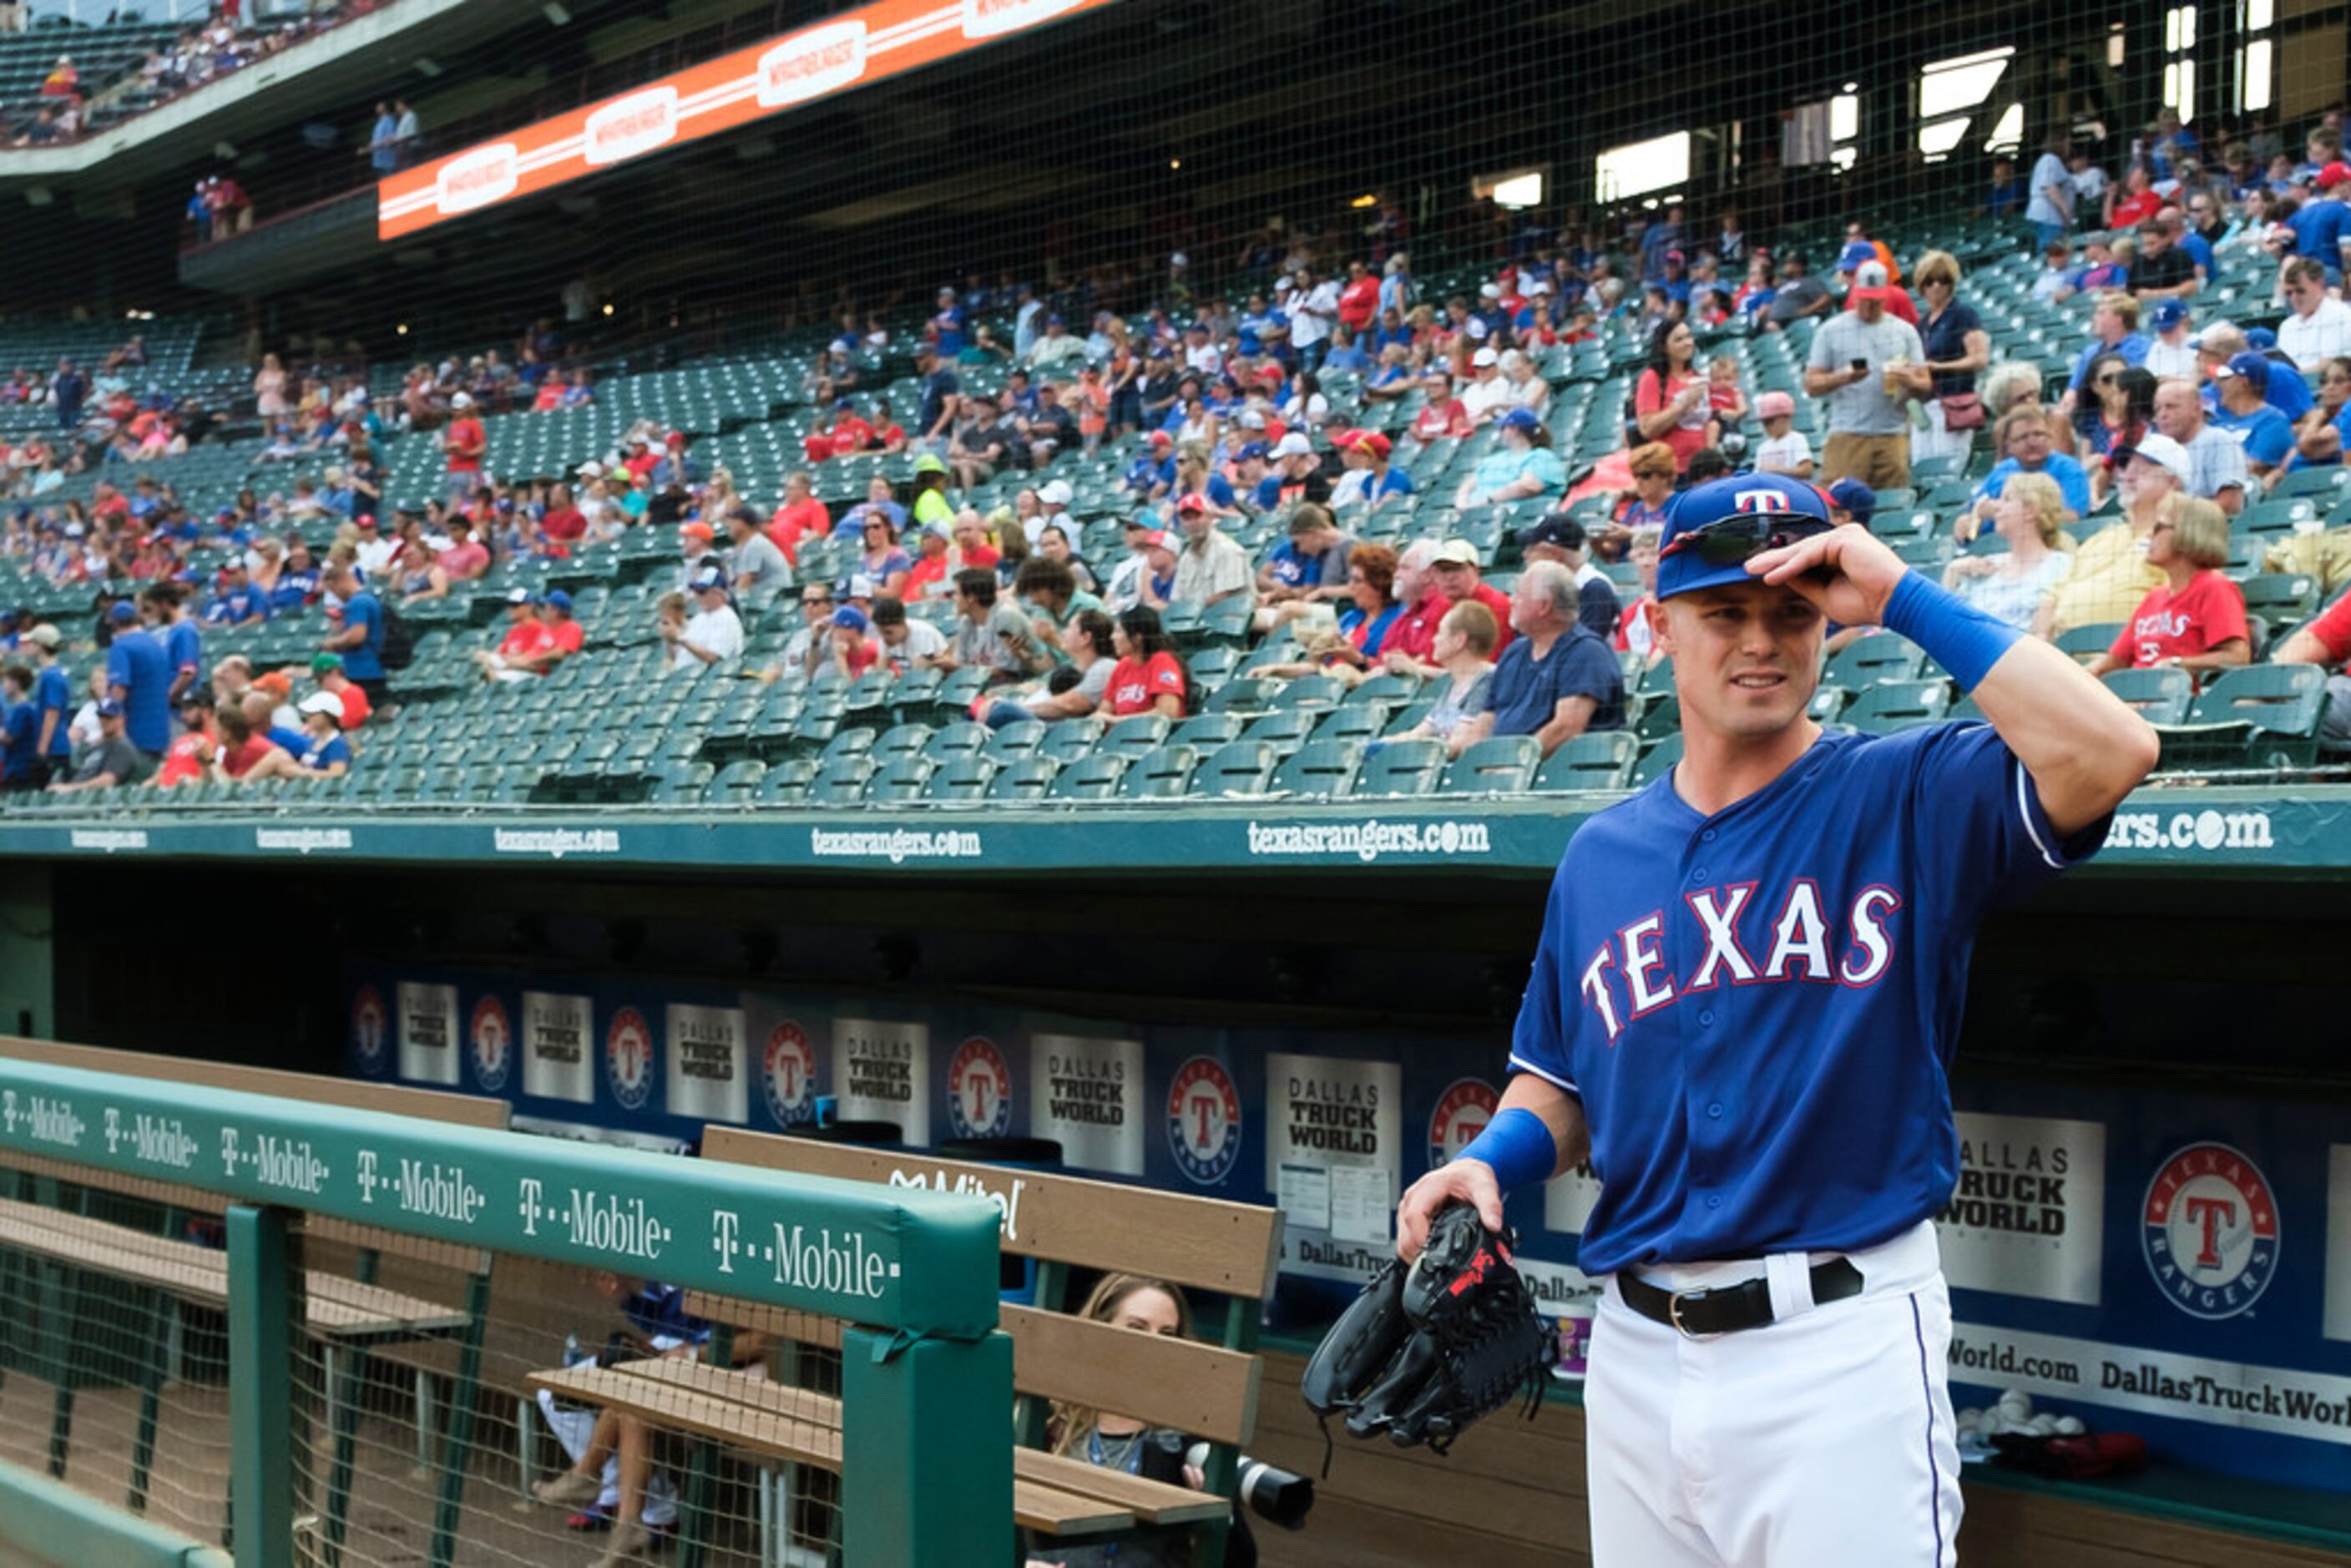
x,y
2252,367
123,613
852,617
1254,449
1769,498
1857,500
2259,338
1856,255
707,579
1519,419
2168,314
109,708
556,598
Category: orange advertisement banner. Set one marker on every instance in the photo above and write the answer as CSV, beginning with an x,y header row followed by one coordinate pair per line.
x,y
853,50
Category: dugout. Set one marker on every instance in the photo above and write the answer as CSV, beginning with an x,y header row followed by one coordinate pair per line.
x,y
1311,1032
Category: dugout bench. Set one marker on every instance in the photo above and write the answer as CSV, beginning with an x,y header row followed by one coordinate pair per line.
x,y
54,1255
1058,1223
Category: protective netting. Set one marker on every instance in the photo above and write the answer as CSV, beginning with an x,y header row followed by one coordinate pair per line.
x,y
588,1393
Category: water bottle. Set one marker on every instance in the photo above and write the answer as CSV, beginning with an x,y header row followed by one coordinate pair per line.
x,y
571,1350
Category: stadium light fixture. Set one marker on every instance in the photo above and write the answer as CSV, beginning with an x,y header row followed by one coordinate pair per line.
x,y
427,65
555,14
1175,163
1361,202
608,307
401,328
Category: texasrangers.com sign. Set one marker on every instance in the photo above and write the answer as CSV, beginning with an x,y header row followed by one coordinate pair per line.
x,y
2207,830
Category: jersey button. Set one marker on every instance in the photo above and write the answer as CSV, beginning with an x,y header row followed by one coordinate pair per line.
x,y
1715,1111
1714,1200
1706,1017
1699,876
1707,835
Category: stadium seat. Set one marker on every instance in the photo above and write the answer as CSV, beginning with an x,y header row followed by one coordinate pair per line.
x,y
955,694
1827,706
901,740
1317,691
786,782
902,778
1503,764
1023,779
2281,597
1015,741
848,743
1160,775
957,740
1242,693
682,783
1385,690
1657,759
1602,761
841,780
961,780
1207,731
1134,734
1089,778
2084,644
737,783
1285,729
1880,656
1240,768
1889,706
2273,710
2161,696
1321,768
1400,767
1358,722
1070,738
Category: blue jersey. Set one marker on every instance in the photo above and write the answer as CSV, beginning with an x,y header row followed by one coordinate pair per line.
x,y
321,755
658,1313
137,663
52,693
2266,434
22,726
184,645
1757,1008
363,661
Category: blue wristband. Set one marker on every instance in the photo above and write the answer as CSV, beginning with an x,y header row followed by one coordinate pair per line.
x,y
1518,1145
1955,633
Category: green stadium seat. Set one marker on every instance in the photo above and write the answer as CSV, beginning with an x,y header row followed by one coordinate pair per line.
x,y
1321,768
1017,741
1207,731
1828,702
1210,668
1660,756
1242,693
1134,734
848,743
954,740
1357,722
2161,696
1504,764
2281,596
1227,619
1070,738
1602,761
2084,644
1890,705
1385,690
1285,729
682,784
841,780
1023,779
2276,707
960,690
1160,775
737,783
869,694
786,782
1879,656
1240,768
1400,767
1089,778
901,740
960,781
1316,691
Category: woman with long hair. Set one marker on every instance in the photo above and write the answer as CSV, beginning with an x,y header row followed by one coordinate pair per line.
x,y
2018,585
2126,413
1148,678
1669,402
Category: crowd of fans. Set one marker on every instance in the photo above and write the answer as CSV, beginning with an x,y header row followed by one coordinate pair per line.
x,y
1249,491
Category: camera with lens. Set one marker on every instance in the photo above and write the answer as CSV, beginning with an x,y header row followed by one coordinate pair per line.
x,y
1271,1493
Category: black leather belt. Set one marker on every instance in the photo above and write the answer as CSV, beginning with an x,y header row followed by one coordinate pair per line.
x,y
1728,1309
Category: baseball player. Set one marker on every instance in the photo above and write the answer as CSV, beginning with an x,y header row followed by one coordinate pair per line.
x,y
1744,1007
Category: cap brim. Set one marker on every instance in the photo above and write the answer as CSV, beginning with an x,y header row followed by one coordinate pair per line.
x,y
1679,574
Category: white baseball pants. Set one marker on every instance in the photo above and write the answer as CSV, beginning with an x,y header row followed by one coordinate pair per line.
x,y
1823,1440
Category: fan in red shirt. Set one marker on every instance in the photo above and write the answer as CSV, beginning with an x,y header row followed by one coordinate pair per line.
x,y
2196,619
245,734
189,755
463,442
565,636
1439,577
800,516
563,525
520,650
1359,302
850,434
1443,414
327,671
1148,677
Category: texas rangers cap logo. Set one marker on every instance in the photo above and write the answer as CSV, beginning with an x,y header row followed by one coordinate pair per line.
x,y
979,1090
629,1059
788,1074
1204,1120
491,1041
2209,1229
371,1030
1461,1114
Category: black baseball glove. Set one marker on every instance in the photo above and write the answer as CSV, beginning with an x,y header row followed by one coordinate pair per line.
x,y
1428,1349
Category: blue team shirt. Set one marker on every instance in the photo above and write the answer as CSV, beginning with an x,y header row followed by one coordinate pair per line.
x,y
2288,394
138,664
22,726
52,693
235,606
2318,228
2072,481
184,645
1526,692
296,741
2133,349
2266,434
293,590
1758,1008
364,661
321,755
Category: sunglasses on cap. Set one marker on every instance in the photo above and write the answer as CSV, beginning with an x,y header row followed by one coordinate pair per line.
x,y
1733,540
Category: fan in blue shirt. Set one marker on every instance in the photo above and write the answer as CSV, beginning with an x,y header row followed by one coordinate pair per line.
x,y
139,671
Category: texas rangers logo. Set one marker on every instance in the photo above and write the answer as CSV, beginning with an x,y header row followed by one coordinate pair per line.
x,y
629,1059
371,1029
979,1090
1204,1120
788,1074
1760,501
2210,1228
1461,1114
492,1042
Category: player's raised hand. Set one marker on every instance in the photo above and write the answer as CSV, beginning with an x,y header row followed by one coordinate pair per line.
x,y
1469,1181
1847,572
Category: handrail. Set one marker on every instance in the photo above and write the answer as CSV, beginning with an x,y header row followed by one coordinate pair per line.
x,y
59,1525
